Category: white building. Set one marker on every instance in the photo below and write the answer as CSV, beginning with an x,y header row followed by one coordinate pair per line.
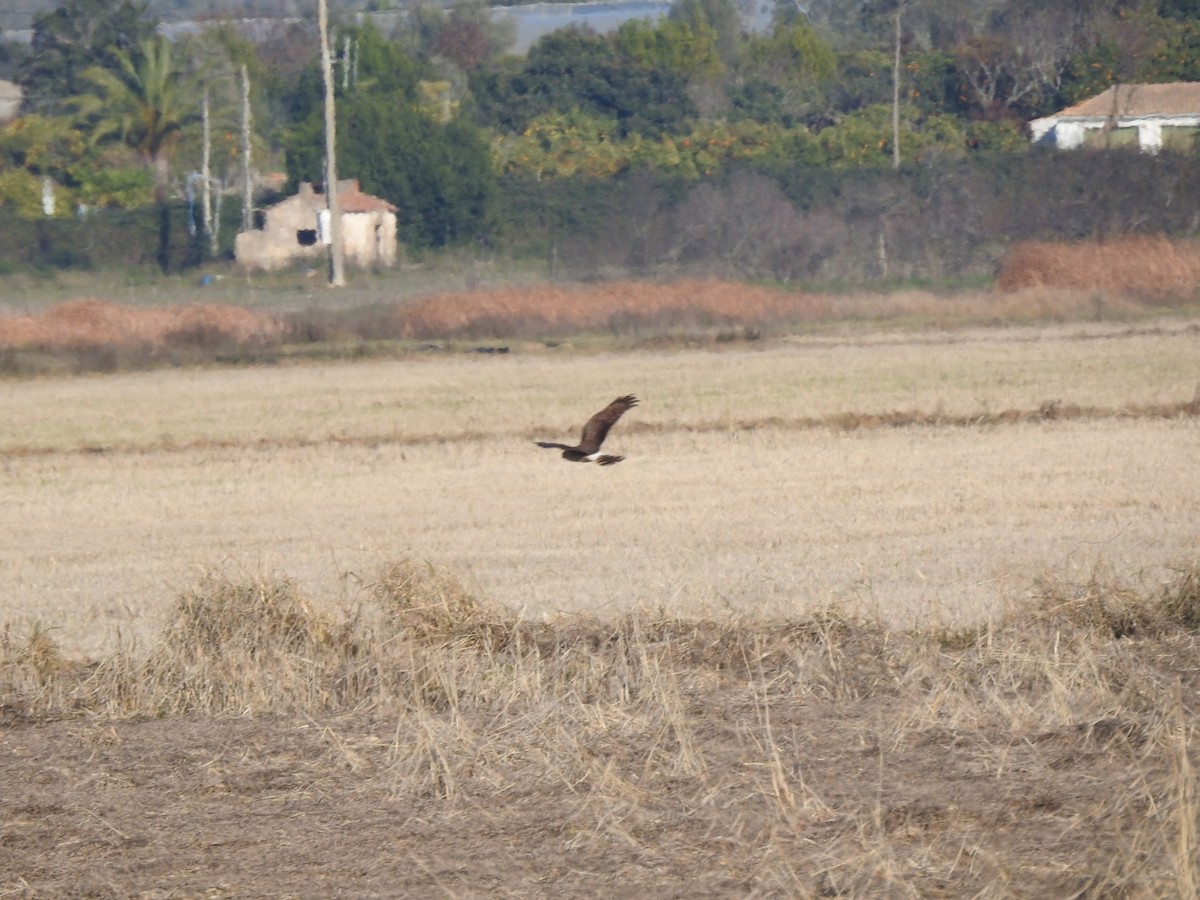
x,y
1147,116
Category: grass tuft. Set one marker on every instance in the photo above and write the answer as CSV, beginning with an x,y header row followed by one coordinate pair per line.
x,y
830,753
429,602
1180,600
257,618
1100,604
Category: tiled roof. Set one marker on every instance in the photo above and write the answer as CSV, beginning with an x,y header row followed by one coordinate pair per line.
x,y
1178,99
350,197
352,200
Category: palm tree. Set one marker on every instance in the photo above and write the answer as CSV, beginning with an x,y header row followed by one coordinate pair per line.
x,y
144,102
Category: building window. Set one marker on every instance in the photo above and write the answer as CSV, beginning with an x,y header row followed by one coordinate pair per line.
x,y
1181,140
306,237
1111,138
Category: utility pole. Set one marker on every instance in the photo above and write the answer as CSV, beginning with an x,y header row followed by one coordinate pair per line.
x,y
247,179
206,206
896,95
337,276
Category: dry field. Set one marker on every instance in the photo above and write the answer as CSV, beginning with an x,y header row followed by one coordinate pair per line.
x,y
906,613
770,478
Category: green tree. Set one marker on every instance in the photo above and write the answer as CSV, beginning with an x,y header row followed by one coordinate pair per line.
x,y
720,16
210,64
438,174
378,66
865,137
781,72
400,146
1089,73
930,81
574,145
21,192
689,51
559,145
1179,9
791,51
52,146
576,69
142,102
1176,53
466,35
863,79
78,36
43,145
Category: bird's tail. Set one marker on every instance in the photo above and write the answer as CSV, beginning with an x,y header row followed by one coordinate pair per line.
x,y
609,460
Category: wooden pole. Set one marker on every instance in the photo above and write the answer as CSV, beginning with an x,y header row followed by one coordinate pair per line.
x,y
206,179
337,276
247,178
896,95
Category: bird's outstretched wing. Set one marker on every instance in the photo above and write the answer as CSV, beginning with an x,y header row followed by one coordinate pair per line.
x,y
596,429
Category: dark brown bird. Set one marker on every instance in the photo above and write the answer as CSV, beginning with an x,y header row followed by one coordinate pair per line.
x,y
594,433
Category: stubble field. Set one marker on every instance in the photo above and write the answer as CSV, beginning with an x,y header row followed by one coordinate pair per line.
x,y
871,614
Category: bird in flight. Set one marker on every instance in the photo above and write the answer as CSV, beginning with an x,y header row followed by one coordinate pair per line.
x,y
594,433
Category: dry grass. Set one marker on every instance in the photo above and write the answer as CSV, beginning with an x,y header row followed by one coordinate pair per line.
x,y
98,323
1152,268
906,477
107,335
887,614
438,397
1039,755
619,307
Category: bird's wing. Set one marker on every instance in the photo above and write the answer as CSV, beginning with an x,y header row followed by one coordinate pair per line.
x,y
596,429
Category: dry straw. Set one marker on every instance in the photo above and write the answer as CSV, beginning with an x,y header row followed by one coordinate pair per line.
x,y
90,323
829,756
1151,268
618,306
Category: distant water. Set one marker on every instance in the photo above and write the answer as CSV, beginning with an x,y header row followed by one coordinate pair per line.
x,y
532,21
538,19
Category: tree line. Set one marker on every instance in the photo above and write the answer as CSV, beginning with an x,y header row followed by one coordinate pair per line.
x,y
814,146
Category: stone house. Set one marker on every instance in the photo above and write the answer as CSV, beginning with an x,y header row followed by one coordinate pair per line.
x,y
1150,117
296,229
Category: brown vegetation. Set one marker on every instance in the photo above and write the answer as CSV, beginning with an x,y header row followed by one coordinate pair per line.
x,y
139,334
1153,268
399,734
935,472
425,740
87,334
1039,282
619,306
93,324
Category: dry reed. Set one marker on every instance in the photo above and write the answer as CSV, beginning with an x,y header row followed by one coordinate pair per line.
x,y
91,323
620,306
1152,268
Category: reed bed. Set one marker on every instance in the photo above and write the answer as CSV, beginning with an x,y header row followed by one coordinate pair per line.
x,y
1153,268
